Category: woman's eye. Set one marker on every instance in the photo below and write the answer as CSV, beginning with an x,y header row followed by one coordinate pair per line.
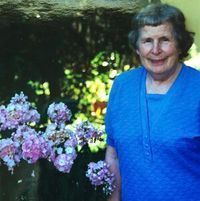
x,y
148,40
164,39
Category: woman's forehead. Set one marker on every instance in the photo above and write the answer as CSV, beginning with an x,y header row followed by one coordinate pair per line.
x,y
164,29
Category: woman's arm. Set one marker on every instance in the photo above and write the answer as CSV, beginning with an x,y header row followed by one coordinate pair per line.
x,y
112,161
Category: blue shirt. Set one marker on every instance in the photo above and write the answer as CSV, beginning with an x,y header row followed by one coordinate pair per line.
x,y
154,106
159,157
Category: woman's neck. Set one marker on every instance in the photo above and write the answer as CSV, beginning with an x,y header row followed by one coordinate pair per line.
x,y
162,83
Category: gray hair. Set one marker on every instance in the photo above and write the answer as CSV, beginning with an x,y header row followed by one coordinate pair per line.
x,y
157,14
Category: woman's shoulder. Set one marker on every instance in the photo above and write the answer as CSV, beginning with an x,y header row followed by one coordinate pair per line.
x,y
193,72
191,83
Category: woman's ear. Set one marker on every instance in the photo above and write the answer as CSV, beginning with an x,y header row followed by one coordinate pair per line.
x,y
137,51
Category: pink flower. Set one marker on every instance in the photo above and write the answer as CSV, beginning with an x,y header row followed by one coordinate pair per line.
x,y
100,175
64,162
34,147
9,153
59,113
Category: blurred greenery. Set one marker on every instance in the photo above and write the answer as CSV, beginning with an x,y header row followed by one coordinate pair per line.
x,y
68,58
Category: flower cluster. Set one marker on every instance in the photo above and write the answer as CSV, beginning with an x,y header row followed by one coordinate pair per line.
x,y
58,143
63,146
9,152
86,132
31,144
63,140
59,113
17,112
24,143
100,175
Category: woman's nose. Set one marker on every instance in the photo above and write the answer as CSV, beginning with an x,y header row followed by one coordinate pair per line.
x,y
156,48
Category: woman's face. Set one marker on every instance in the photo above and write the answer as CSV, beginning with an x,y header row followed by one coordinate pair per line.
x,y
158,51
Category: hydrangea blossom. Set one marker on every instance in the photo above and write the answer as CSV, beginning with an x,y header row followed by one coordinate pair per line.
x,y
34,147
59,113
19,99
17,112
22,132
9,153
64,162
100,175
63,146
87,133
16,115
32,144
57,134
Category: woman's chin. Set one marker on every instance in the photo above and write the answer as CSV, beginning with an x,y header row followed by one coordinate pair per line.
x,y
157,70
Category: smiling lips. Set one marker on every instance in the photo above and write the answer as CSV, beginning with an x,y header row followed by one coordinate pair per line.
x,y
157,62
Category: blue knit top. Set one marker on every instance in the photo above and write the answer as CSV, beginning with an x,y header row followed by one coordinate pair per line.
x,y
154,105
157,139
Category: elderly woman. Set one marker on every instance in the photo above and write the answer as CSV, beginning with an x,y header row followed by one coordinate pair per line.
x,y
153,119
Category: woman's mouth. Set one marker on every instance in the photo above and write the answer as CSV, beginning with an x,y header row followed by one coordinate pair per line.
x,y
157,62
